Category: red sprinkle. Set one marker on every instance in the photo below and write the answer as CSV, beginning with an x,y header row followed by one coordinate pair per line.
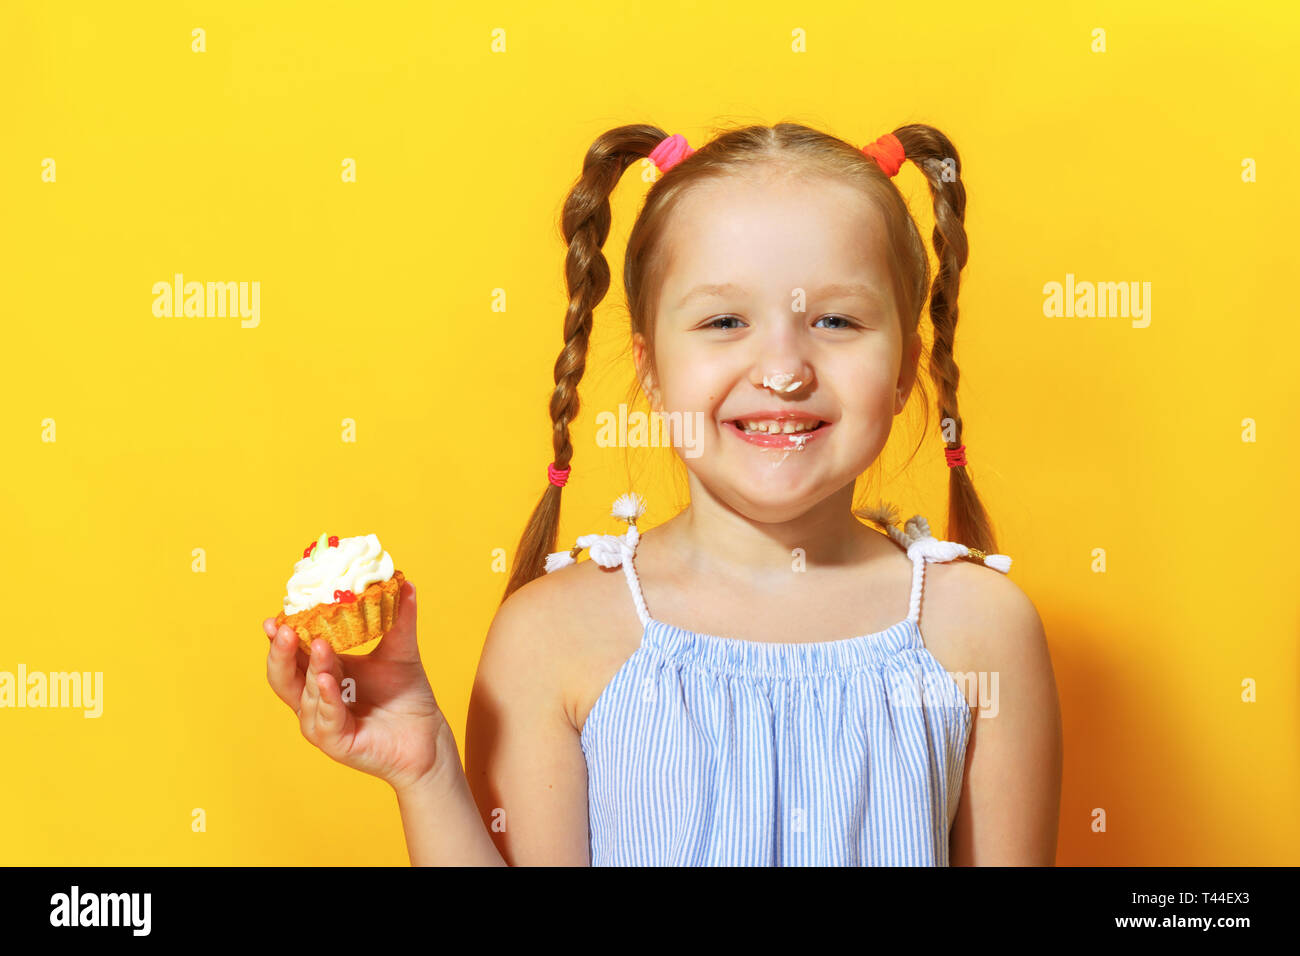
x,y
334,541
307,553
347,597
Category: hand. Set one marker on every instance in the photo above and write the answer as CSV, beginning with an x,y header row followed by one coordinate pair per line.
x,y
393,729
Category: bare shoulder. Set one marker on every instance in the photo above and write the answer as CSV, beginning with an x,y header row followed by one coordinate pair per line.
x,y
552,631
1008,811
522,749
979,616
559,607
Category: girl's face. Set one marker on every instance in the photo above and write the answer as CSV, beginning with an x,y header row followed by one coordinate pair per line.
x,y
785,280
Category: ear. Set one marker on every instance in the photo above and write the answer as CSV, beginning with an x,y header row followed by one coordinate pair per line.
x,y
907,370
644,374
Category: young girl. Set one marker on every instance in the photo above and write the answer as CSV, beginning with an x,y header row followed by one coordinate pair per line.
x,y
690,696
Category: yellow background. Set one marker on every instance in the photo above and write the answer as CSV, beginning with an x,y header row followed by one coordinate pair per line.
x,y
183,433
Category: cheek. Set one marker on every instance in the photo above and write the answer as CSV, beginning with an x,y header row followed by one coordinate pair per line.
x,y
868,389
691,382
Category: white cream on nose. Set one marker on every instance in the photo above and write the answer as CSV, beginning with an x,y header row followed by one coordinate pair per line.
x,y
781,383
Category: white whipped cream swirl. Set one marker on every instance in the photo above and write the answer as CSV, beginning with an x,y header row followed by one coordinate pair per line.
x,y
352,566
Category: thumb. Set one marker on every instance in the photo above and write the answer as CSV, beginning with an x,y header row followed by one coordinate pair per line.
x,y
399,644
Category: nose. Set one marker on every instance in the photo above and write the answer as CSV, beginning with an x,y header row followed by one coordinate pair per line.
x,y
782,370
784,383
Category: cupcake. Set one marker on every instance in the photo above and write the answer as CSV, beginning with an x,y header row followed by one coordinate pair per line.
x,y
343,590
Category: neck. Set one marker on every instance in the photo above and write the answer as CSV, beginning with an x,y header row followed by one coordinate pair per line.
x,y
712,538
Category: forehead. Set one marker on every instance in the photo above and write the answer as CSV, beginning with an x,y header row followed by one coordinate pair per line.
x,y
774,233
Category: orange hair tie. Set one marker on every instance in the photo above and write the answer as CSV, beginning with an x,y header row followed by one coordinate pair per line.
x,y
888,153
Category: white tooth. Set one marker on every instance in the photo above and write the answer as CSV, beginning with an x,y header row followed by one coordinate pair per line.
x,y
778,428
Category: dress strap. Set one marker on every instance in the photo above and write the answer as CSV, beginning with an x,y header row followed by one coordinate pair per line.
x,y
922,546
629,572
611,551
918,582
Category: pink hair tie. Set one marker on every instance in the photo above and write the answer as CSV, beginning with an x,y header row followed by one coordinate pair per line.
x,y
557,476
888,153
955,456
670,151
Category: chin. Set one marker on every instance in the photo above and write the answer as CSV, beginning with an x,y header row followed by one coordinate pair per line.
x,y
775,502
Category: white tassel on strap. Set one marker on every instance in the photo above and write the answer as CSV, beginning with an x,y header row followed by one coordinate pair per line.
x,y
917,540
930,548
628,507
998,562
557,560
607,550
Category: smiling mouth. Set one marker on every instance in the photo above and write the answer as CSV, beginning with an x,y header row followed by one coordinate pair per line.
x,y
789,427
772,433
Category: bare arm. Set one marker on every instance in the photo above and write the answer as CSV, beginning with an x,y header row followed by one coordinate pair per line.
x,y
1010,802
522,799
440,819
523,755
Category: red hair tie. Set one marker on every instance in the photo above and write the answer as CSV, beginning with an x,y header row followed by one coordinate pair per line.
x,y
557,476
955,456
888,153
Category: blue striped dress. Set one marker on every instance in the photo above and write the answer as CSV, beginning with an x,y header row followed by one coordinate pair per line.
x,y
712,751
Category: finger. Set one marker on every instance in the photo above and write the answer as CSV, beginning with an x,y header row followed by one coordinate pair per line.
x,y
300,656
334,721
285,665
310,700
326,661
399,644
307,712
333,665
310,692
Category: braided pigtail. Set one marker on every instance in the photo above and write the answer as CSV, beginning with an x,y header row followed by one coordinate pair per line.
x,y
934,154
585,225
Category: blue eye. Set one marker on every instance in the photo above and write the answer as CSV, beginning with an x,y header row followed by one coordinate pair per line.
x,y
713,323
